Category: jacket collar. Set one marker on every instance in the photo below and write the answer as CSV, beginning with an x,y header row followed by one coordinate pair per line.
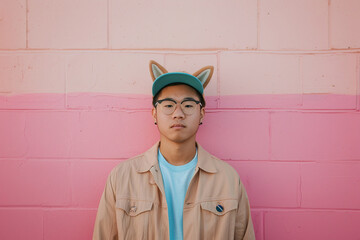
x,y
150,159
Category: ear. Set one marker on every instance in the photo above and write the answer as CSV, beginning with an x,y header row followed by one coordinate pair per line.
x,y
153,113
204,75
156,70
202,114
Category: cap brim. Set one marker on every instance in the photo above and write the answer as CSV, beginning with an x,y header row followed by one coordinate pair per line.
x,y
176,77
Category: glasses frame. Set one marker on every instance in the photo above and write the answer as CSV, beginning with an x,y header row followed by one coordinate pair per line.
x,y
173,100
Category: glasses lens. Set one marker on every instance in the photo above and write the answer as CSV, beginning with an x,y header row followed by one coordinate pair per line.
x,y
168,107
188,107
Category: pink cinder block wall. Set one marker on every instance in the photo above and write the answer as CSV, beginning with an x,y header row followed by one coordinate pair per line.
x,y
283,106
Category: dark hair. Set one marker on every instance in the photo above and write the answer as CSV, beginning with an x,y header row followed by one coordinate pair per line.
x,y
201,98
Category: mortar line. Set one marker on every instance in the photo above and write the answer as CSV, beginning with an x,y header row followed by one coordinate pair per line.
x,y
301,79
329,25
358,83
270,146
257,23
27,24
186,51
108,23
263,224
218,79
300,186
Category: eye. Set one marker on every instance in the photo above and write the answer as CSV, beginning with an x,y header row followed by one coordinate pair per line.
x,y
188,104
168,104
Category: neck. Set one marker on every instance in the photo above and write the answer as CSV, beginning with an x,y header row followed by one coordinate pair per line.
x,y
178,153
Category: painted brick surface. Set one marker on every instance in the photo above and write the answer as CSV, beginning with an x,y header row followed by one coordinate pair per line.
x,y
108,101
315,136
80,24
300,25
33,101
113,134
89,134
110,72
240,73
39,72
330,185
20,223
329,101
13,142
7,73
204,24
13,24
257,218
282,106
88,180
275,84
312,225
270,184
32,72
34,182
329,73
236,135
75,224
326,75
51,133
344,19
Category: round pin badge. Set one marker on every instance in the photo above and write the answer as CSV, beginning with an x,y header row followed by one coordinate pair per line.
x,y
219,208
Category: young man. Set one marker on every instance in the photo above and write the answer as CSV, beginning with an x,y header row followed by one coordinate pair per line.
x,y
175,190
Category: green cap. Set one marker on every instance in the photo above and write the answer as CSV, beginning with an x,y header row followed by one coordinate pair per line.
x,y
176,77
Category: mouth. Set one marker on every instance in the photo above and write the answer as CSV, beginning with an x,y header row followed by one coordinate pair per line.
x,y
176,126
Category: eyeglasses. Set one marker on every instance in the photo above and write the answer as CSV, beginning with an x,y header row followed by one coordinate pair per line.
x,y
168,105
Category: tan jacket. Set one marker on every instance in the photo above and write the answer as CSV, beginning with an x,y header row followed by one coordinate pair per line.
x,y
133,205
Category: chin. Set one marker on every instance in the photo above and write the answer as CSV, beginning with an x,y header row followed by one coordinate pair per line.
x,y
181,139
178,136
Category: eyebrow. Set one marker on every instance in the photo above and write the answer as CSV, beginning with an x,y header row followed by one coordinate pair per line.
x,y
189,99
185,99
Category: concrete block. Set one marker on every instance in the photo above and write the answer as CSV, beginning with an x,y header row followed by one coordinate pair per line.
x,y
19,223
236,135
293,25
330,185
270,184
183,25
67,24
344,19
12,24
34,182
312,225
315,136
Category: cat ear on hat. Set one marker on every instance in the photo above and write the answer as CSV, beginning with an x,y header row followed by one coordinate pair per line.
x,y
204,75
156,70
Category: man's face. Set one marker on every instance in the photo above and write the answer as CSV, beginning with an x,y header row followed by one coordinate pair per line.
x,y
178,127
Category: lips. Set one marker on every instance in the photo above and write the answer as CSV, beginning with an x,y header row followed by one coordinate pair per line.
x,y
177,126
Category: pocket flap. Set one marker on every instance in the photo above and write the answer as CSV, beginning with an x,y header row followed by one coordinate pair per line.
x,y
220,207
133,207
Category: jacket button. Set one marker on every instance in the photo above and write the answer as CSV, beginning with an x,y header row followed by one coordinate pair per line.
x,y
133,209
219,208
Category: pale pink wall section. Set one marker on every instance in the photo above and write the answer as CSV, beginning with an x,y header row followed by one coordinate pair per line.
x,y
282,106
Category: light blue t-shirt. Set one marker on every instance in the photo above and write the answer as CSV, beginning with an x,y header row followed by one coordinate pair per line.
x,y
176,181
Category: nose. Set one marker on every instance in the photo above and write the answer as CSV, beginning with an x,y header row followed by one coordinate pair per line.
x,y
178,113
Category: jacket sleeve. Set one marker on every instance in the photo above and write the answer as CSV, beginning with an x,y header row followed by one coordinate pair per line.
x,y
105,224
244,229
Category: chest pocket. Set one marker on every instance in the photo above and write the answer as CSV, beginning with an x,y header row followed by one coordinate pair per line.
x,y
219,207
133,218
218,219
133,207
